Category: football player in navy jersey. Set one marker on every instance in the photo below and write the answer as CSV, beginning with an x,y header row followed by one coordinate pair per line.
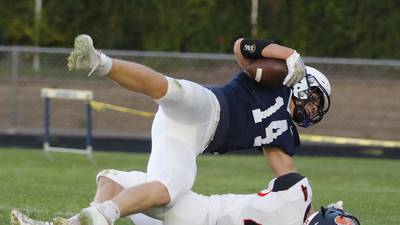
x,y
286,201
192,119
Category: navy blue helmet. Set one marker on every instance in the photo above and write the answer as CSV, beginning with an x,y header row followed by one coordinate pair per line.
x,y
331,216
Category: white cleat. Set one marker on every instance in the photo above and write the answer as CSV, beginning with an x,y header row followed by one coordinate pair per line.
x,y
18,218
92,216
84,56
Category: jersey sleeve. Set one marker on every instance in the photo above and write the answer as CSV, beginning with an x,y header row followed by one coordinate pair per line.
x,y
285,202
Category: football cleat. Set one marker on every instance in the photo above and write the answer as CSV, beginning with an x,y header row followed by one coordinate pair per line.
x,y
18,218
84,56
92,216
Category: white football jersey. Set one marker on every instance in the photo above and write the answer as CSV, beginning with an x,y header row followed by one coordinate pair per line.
x,y
268,207
283,205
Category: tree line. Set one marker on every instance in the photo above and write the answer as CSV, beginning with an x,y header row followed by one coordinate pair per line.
x,y
330,28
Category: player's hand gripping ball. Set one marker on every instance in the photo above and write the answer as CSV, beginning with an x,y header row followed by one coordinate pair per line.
x,y
268,72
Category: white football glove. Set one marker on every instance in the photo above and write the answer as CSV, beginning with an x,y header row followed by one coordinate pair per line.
x,y
296,69
337,205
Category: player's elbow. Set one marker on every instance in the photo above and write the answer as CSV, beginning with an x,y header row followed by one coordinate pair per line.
x,y
240,59
236,46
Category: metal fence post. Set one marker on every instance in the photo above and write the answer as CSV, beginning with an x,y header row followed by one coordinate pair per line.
x,y
14,90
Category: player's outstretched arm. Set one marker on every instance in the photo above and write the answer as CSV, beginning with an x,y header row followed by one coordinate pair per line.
x,y
280,162
247,51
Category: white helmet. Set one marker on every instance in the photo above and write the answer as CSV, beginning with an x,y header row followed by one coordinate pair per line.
x,y
313,88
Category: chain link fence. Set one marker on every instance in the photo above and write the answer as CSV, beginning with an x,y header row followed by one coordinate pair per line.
x,y
365,93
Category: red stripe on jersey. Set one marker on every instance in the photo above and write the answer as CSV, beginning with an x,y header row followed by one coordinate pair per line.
x,y
305,192
262,194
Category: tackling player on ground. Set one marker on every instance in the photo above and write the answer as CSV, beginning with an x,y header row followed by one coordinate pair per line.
x,y
192,119
286,201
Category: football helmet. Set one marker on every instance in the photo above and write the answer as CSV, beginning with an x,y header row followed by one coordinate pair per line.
x,y
313,89
331,216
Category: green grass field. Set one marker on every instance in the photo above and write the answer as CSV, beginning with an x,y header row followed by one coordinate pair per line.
x,y
370,188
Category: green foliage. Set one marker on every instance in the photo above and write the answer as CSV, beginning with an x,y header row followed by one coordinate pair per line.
x,y
16,21
335,28
366,29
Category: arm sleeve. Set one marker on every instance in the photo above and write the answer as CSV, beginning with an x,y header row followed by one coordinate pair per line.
x,y
251,48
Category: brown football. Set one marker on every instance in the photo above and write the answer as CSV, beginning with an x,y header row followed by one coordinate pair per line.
x,y
271,72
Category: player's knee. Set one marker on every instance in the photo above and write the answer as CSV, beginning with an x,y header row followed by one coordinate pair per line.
x,y
105,182
160,193
159,87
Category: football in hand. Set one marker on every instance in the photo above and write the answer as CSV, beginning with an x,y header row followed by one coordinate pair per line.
x,y
268,72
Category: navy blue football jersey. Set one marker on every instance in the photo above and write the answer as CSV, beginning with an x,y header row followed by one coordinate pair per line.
x,y
253,115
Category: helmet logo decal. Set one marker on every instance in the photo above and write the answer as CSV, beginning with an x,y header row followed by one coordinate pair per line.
x,y
341,220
